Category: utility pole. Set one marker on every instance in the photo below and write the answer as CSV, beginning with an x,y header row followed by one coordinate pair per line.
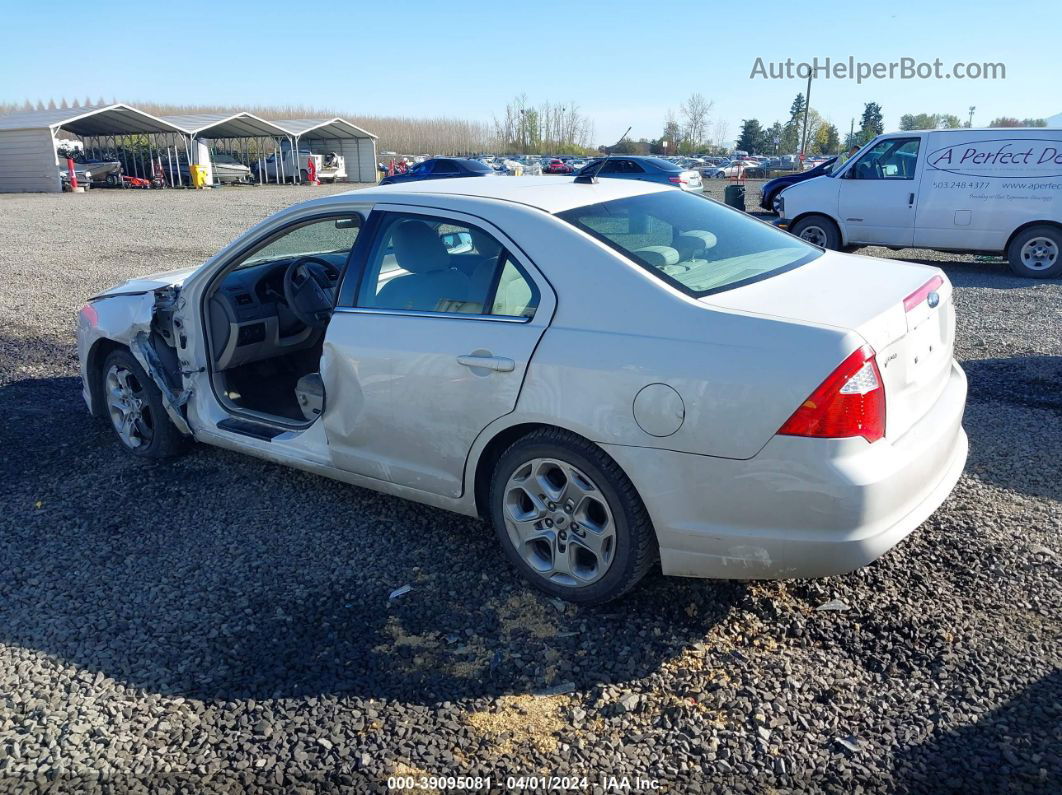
x,y
804,136
851,135
970,122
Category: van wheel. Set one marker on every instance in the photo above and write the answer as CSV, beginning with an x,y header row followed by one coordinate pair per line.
x,y
1035,253
819,231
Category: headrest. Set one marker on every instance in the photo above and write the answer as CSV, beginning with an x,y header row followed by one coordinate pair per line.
x,y
694,242
418,248
658,256
484,243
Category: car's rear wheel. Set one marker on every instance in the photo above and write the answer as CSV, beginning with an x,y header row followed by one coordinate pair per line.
x,y
569,518
1035,253
819,231
134,407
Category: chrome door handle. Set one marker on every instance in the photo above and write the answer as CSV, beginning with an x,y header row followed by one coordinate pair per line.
x,y
498,363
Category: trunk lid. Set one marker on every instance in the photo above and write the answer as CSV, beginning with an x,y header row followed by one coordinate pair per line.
x,y
913,343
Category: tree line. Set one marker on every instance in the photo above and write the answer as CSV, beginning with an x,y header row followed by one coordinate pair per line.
x,y
810,133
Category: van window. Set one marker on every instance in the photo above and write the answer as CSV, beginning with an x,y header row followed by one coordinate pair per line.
x,y
893,158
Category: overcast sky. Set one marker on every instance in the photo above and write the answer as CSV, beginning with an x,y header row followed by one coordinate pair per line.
x,y
467,58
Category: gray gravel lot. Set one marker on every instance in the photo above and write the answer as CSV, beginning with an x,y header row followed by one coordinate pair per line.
x,y
220,623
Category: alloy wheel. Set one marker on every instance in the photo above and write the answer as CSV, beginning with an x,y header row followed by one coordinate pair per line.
x,y
559,522
128,407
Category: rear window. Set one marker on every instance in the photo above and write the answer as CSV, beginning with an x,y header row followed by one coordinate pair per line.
x,y
691,242
667,165
475,165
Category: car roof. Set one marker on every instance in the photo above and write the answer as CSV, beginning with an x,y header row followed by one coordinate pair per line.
x,y
550,194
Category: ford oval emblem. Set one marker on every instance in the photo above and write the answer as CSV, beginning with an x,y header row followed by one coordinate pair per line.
x,y
933,299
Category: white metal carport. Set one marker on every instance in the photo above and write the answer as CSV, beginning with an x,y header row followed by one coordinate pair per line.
x,y
28,161
357,146
247,134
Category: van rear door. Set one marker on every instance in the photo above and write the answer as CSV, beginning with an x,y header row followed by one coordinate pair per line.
x,y
879,192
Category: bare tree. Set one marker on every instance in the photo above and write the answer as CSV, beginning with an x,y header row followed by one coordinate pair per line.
x,y
695,113
721,134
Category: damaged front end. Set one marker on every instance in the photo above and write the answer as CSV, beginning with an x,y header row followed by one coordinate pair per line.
x,y
141,321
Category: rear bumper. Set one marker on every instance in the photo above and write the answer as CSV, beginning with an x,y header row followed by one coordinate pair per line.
x,y
800,507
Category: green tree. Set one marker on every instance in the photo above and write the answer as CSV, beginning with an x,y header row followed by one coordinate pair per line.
x,y
872,123
1011,121
929,121
827,140
752,138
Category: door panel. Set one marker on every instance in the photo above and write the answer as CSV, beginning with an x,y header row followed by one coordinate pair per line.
x,y
878,196
407,404
429,349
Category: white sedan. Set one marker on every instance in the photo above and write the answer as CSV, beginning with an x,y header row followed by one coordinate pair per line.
x,y
612,373
734,169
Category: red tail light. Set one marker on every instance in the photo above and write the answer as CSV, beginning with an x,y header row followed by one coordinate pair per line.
x,y
850,402
677,180
920,295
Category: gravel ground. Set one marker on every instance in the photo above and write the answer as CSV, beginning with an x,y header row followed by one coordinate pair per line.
x,y
219,623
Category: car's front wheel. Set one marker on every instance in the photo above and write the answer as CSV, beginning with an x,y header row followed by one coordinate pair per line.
x,y
569,518
819,231
134,407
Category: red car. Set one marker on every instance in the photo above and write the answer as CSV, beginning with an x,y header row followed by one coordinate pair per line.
x,y
556,166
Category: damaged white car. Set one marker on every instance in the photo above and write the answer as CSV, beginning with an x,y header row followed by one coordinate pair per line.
x,y
611,373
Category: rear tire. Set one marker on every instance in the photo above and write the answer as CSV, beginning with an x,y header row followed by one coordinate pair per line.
x,y
819,231
1036,252
569,519
134,408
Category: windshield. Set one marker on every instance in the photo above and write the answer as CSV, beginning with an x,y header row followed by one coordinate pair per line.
x,y
691,242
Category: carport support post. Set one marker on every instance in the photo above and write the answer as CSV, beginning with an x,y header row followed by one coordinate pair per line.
x,y
296,170
278,162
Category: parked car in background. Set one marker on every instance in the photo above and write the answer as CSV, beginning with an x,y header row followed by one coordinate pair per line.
x,y
992,191
734,402
771,190
646,169
557,166
737,168
442,168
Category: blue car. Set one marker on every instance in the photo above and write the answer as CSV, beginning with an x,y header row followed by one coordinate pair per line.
x,y
771,190
648,169
441,168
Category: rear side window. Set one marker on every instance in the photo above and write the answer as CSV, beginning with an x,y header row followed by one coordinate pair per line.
x,y
432,264
691,242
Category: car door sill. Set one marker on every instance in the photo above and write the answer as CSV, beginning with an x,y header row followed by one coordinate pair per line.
x,y
253,429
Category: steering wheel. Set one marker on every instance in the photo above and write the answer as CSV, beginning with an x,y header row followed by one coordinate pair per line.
x,y
308,290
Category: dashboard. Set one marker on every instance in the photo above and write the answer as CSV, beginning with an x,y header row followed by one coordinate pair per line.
x,y
249,318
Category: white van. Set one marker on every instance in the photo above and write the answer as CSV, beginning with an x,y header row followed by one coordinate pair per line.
x,y
991,191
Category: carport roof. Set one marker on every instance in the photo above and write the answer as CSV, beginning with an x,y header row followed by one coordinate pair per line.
x,y
115,119
227,125
325,128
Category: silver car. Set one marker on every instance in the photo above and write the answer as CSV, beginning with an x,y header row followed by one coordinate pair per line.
x,y
612,373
